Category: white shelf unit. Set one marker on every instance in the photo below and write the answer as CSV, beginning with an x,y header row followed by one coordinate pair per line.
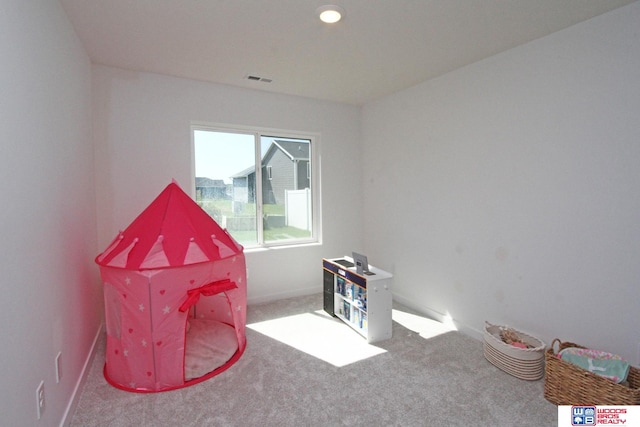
x,y
362,301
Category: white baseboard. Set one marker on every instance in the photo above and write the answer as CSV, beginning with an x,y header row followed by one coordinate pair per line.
x,y
73,402
440,317
283,295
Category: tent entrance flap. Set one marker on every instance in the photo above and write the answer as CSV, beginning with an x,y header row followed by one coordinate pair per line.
x,y
211,339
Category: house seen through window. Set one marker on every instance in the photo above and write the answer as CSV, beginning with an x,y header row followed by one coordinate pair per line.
x,y
257,185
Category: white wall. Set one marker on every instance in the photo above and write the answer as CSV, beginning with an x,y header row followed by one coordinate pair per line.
x,y
509,189
142,135
51,298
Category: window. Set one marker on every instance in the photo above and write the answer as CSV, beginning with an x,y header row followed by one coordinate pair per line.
x,y
260,186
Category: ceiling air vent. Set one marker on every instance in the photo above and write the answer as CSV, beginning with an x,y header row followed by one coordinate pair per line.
x,y
258,78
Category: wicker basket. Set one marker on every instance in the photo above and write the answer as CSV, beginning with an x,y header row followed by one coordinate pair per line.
x,y
569,384
526,364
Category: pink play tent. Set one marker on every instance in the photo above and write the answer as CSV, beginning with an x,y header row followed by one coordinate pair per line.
x,y
175,297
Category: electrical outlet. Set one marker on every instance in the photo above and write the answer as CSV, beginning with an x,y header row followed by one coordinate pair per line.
x,y
40,399
58,368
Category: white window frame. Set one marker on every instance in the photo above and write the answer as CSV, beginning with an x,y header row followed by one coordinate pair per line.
x,y
314,170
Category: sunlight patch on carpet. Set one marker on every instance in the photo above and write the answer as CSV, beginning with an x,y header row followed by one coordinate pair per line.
x,y
427,328
320,336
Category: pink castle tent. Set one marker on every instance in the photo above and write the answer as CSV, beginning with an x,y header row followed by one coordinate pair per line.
x,y
175,297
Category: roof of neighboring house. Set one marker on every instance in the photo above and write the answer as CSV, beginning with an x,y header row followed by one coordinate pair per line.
x,y
208,182
293,149
245,172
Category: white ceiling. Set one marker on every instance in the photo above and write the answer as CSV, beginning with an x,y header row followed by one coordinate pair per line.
x,y
380,47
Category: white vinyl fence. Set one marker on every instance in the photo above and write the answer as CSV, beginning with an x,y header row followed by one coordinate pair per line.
x,y
297,207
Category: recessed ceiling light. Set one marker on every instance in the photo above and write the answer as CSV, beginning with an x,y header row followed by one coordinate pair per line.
x,y
330,13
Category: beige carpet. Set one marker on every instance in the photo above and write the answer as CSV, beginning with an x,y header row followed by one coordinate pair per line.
x,y
304,368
